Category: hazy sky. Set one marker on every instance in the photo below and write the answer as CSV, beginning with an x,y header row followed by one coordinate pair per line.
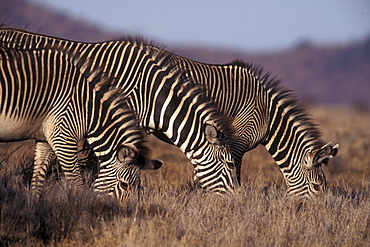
x,y
239,24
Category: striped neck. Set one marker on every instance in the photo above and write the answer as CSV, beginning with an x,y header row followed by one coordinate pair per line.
x,y
291,134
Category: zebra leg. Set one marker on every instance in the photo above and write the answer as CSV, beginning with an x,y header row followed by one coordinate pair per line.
x,y
66,153
238,166
43,157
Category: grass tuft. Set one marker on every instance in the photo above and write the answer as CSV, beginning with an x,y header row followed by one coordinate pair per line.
x,y
171,211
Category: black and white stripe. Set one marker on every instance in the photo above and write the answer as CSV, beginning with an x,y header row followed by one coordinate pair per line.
x,y
294,143
44,96
167,105
264,113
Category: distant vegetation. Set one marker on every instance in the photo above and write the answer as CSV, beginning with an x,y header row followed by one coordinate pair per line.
x,y
336,74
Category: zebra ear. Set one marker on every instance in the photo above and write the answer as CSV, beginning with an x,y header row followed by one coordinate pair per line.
x,y
157,164
211,133
150,164
146,163
126,154
324,154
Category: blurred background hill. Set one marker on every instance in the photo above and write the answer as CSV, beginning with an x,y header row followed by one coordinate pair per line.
x,y
320,74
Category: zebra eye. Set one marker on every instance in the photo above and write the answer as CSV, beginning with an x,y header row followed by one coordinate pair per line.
x,y
316,187
230,165
123,185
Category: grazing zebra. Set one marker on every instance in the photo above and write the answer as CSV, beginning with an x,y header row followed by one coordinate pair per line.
x,y
166,105
265,113
44,96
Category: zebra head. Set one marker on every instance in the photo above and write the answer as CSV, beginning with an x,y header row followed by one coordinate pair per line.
x,y
214,165
121,175
311,181
128,173
118,143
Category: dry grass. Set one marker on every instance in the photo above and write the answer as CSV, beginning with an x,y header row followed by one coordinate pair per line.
x,y
171,212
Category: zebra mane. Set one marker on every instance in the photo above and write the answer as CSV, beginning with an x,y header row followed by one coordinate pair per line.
x,y
285,97
155,53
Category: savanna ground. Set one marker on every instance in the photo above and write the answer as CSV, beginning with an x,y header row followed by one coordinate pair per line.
x,y
171,212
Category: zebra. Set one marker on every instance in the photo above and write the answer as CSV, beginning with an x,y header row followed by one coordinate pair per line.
x,y
265,113
173,109
46,97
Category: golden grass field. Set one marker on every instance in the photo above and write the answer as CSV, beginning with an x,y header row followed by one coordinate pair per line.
x,y
171,212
